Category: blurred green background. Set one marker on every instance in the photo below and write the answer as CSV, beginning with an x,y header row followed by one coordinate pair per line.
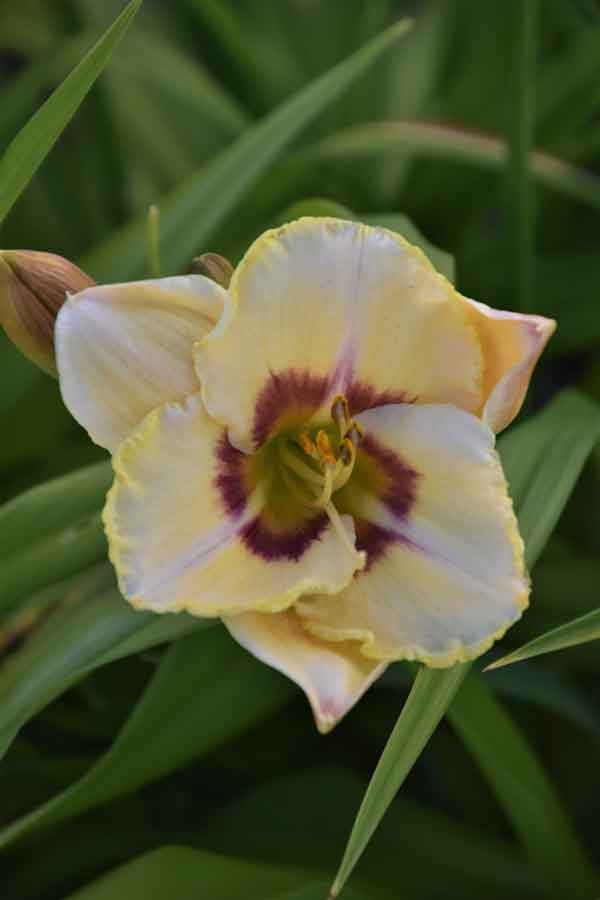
x,y
423,134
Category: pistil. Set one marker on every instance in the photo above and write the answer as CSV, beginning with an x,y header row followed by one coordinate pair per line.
x,y
313,484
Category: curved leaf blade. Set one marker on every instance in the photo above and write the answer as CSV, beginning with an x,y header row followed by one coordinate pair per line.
x,y
412,138
95,626
192,212
542,460
430,696
522,789
207,688
187,874
28,150
54,505
581,630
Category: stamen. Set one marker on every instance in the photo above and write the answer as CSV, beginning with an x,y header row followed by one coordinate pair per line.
x,y
347,451
308,445
340,413
298,466
336,465
292,487
334,518
355,433
324,448
325,495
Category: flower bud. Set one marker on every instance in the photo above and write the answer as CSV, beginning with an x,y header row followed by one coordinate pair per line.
x,y
213,266
33,287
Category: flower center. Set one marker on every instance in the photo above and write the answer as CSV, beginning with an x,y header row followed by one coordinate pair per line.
x,y
314,467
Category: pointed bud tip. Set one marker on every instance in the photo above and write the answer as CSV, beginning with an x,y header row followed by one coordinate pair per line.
x,y
33,287
213,266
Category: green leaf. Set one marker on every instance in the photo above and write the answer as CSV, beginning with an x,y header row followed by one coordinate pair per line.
x,y
95,626
207,689
33,143
541,469
430,696
314,206
52,531
192,212
553,691
188,874
51,559
543,459
524,18
266,70
84,631
428,139
288,818
522,790
578,631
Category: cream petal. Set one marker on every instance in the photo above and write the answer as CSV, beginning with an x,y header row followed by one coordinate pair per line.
x,y
512,344
182,535
334,676
324,306
124,349
446,578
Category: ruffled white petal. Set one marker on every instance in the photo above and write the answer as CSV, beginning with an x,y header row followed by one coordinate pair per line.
x,y
512,344
334,676
124,349
452,579
174,544
352,306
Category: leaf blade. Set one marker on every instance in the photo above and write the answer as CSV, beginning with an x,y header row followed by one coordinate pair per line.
x,y
522,788
581,630
36,139
199,720
192,212
430,696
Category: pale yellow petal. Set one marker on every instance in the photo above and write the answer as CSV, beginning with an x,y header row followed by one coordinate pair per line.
x,y
448,577
512,344
178,540
124,349
324,306
334,676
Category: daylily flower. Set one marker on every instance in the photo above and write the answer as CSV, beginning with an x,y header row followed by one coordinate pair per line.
x,y
309,454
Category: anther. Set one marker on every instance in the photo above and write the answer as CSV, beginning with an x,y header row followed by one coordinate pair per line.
x,y
347,451
324,448
355,434
307,444
340,413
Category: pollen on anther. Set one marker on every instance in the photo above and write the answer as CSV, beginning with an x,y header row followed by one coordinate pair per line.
x,y
347,451
307,443
324,447
340,413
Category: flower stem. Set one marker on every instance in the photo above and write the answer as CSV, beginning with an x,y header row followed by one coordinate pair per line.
x,y
154,265
522,214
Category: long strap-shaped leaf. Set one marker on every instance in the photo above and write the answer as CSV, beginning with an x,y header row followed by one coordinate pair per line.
x,y
96,626
28,150
192,212
51,532
186,873
578,631
558,473
522,789
207,689
431,694
404,139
